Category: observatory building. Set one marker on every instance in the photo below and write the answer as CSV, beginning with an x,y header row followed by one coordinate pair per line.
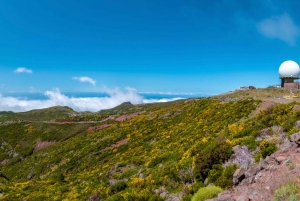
x,y
288,72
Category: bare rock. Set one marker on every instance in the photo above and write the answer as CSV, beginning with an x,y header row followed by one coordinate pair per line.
x,y
277,130
206,181
296,138
142,176
95,197
238,176
296,107
30,176
161,191
225,196
287,145
252,171
269,162
164,194
243,197
241,157
280,159
113,181
175,197
177,112
297,124
264,134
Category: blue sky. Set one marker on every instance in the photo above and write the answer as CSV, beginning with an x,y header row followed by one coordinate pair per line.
x,y
206,47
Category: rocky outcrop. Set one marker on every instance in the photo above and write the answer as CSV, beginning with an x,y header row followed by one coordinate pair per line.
x,y
296,138
297,124
271,133
95,197
161,191
296,107
238,176
260,181
241,156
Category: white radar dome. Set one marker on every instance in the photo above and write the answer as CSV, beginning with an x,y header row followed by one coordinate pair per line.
x,y
289,69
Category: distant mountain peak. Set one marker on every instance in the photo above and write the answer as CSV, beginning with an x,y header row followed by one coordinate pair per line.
x,y
128,103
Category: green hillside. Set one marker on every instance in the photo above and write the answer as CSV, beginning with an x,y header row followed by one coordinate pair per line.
x,y
167,147
47,114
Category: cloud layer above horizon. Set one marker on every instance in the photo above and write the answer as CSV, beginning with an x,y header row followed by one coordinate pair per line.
x,y
56,98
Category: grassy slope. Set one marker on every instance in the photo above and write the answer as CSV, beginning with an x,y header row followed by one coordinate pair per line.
x,y
162,143
47,114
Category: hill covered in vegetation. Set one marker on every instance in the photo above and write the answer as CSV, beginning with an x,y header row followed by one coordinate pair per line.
x,y
161,151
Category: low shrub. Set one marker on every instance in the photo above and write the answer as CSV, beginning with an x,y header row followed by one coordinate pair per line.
x,y
289,124
133,194
257,157
206,193
115,198
187,197
225,180
215,173
128,173
288,192
292,131
267,148
196,186
222,177
120,186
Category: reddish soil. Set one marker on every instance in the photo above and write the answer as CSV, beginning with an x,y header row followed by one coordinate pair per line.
x,y
42,144
95,128
129,116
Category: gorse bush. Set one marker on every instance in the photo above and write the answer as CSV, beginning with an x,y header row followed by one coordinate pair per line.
x,y
267,148
215,153
257,157
207,193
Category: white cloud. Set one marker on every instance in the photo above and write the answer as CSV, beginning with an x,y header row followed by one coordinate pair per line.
x,y
85,79
166,93
163,100
22,70
281,27
55,97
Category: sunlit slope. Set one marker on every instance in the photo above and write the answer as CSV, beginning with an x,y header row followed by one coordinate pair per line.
x,y
158,143
262,93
